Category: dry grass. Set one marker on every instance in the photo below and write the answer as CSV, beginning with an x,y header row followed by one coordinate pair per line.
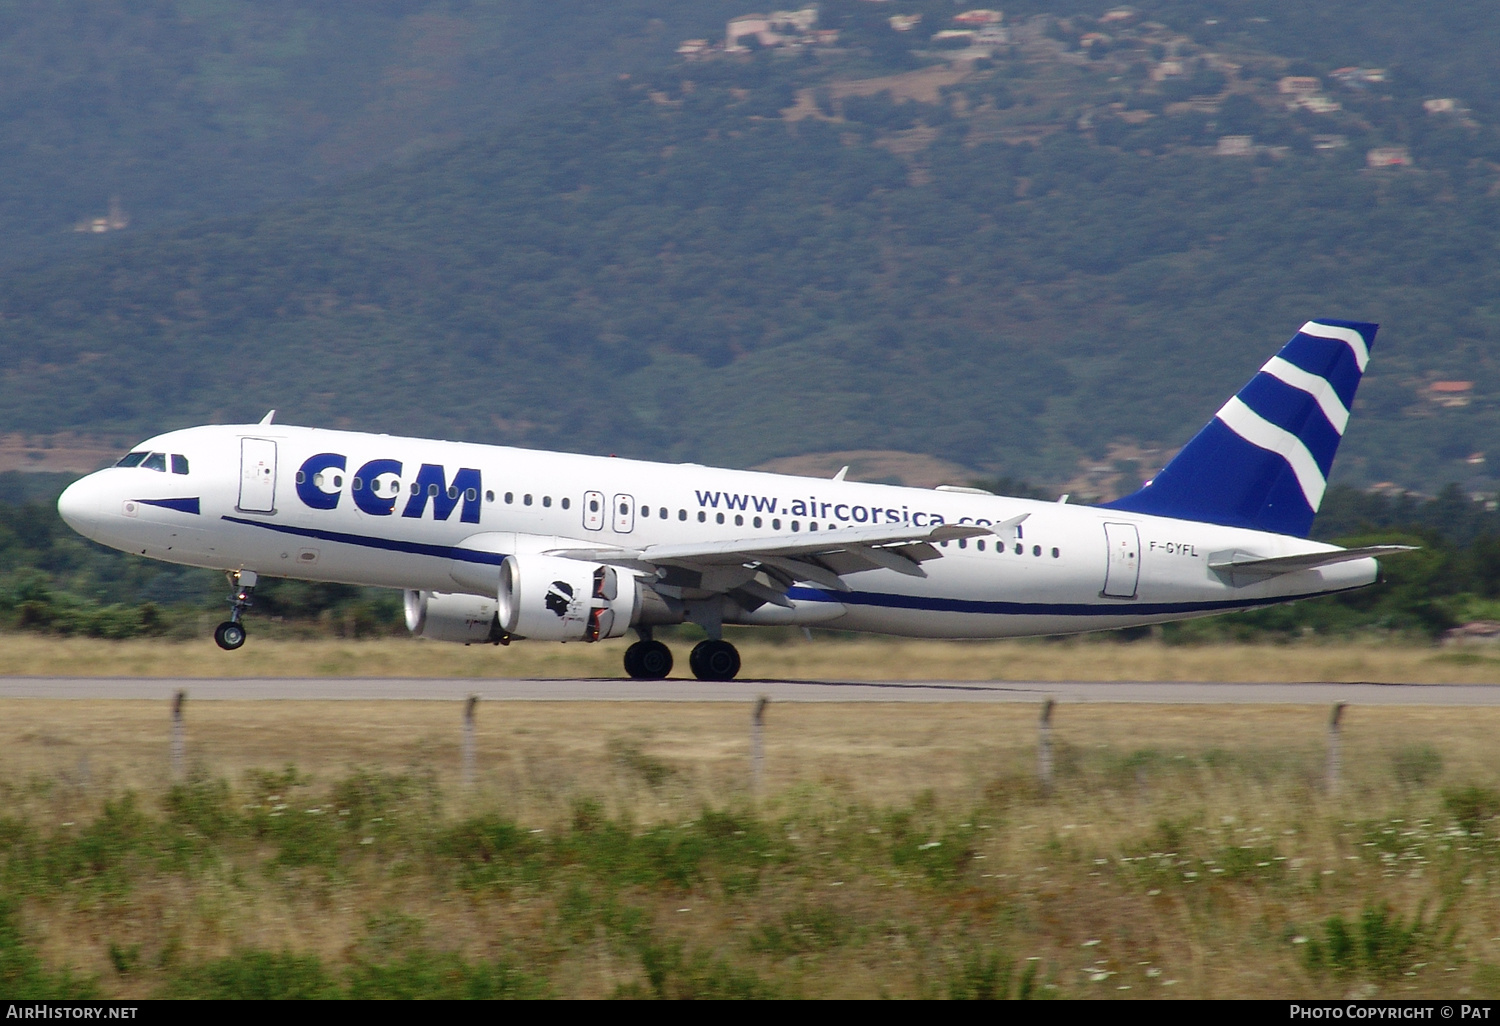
x,y
783,656
1108,883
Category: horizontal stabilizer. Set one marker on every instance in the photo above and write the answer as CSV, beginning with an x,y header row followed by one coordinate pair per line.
x,y
1240,563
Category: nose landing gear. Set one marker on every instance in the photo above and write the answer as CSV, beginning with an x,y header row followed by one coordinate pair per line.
x,y
230,634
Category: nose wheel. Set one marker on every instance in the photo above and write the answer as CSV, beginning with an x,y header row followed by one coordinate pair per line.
x,y
230,634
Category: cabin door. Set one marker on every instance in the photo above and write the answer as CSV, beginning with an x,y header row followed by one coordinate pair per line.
x,y
257,475
1123,571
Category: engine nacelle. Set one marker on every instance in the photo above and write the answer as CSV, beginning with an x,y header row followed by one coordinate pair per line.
x,y
554,599
462,618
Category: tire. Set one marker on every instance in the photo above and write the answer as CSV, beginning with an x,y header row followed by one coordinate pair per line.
x,y
648,660
715,660
229,635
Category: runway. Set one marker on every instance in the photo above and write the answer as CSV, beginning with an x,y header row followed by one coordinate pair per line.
x,y
675,690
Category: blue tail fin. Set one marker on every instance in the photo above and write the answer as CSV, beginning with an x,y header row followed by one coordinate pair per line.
x,y
1263,461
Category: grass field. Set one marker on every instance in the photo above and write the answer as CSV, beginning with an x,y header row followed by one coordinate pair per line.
x,y
620,849
766,654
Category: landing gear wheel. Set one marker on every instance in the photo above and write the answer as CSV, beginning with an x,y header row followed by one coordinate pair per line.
x,y
229,635
714,660
648,660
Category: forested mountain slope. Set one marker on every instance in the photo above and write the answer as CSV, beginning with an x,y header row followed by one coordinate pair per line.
x,y
746,256
184,108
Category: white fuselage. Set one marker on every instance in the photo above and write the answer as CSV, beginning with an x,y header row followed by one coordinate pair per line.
x,y
1065,569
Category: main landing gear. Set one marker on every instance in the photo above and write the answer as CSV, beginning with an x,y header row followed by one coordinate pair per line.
x,y
230,634
713,659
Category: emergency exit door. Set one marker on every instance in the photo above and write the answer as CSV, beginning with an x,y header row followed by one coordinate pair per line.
x,y
1122,574
257,475
624,510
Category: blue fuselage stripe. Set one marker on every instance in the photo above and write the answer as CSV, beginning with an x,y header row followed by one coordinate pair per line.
x,y
994,608
385,544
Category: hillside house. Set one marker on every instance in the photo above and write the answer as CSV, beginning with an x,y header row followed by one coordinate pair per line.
x,y
1358,78
1298,85
978,18
1388,156
1313,103
1168,70
775,29
1450,394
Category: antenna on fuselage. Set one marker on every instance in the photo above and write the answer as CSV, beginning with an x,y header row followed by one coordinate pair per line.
x,y
268,417
840,475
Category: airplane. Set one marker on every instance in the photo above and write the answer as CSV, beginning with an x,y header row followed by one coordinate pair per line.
x,y
497,544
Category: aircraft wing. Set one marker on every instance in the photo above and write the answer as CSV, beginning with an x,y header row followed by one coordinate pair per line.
x,y
820,558
1241,563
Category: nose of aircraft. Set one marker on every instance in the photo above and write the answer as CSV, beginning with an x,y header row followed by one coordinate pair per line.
x,y
79,505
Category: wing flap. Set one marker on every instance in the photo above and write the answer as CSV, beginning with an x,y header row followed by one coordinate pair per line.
x,y
1243,563
820,558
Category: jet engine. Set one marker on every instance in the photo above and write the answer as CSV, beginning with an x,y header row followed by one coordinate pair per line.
x,y
462,618
554,599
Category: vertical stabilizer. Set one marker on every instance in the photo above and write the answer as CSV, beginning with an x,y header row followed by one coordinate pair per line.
x,y
1263,461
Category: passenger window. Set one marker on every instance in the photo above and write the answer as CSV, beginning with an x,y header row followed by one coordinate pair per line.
x,y
682,514
813,526
526,500
470,495
179,464
1036,550
131,459
702,517
979,545
489,496
567,503
416,489
1055,553
755,522
776,524
796,526
718,517
963,543
664,512
547,501
432,491
1019,548
452,491
156,461
739,521
645,512
510,497
593,505
358,484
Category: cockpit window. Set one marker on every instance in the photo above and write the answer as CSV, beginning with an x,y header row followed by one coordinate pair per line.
x,y
179,464
156,461
131,459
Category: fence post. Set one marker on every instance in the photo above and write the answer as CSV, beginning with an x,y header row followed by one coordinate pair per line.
x,y
757,744
1044,747
468,772
1335,756
178,700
